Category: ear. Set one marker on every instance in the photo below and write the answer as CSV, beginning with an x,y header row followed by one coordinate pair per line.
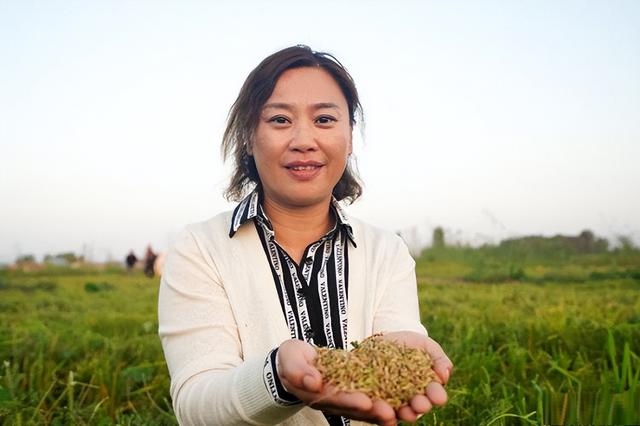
x,y
350,145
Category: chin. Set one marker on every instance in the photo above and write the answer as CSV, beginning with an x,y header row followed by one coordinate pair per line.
x,y
306,198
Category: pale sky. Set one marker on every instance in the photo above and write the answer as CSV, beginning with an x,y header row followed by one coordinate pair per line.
x,y
489,118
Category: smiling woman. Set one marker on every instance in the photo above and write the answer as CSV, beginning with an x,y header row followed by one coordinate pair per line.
x,y
302,140
254,99
247,295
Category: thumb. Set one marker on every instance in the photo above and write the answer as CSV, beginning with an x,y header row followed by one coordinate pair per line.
x,y
296,365
442,365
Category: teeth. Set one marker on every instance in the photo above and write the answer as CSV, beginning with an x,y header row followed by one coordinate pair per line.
x,y
304,167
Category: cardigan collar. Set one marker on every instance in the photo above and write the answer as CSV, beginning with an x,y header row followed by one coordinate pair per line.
x,y
251,208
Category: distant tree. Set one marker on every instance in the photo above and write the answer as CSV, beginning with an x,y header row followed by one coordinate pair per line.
x,y
626,243
585,239
588,243
65,258
438,238
556,247
26,258
68,257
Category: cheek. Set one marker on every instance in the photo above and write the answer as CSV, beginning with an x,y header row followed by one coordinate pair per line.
x,y
346,137
341,145
266,158
262,163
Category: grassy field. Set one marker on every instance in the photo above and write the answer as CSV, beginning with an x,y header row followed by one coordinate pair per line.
x,y
534,340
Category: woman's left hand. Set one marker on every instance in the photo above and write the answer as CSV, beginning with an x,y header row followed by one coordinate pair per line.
x,y
436,395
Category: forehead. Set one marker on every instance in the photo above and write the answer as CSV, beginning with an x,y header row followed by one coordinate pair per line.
x,y
307,85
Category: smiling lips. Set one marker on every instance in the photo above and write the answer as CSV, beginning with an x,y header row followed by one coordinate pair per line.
x,y
303,170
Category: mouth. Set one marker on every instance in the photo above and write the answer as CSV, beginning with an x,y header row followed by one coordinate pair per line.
x,y
303,171
300,168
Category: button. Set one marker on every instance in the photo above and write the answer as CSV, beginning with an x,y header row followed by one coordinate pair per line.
x,y
308,260
308,333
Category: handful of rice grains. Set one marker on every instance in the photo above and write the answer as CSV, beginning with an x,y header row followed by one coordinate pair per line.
x,y
379,368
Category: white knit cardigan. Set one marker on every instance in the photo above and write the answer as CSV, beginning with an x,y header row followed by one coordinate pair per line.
x,y
219,316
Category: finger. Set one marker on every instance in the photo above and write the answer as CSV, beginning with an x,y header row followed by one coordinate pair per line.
x,y
353,400
359,416
436,394
442,365
356,406
309,381
334,401
420,404
443,371
383,412
312,382
407,414
309,385
309,353
295,363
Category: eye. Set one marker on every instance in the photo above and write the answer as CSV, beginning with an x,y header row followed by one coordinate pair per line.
x,y
279,119
325,119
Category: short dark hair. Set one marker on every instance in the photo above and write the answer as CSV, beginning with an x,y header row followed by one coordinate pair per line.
x,y
245,112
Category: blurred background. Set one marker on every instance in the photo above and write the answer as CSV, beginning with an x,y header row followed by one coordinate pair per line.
x,y
489,119
501,140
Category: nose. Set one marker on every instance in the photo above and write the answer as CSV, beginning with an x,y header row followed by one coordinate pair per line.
x,y
303,138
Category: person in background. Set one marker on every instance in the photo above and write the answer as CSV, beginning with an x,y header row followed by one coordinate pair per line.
x,y
149,261
247,296
130,260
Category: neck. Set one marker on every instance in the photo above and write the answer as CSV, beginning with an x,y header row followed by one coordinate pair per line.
x,y
300,224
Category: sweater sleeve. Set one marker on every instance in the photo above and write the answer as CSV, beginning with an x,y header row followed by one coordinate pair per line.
x,y
398,308
211,383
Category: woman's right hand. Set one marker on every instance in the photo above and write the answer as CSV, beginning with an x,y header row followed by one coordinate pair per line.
x,y
298,374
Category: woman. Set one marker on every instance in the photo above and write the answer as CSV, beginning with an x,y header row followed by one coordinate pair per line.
x,y
247,295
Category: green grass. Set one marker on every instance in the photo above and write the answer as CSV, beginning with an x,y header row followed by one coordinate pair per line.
x,y
81,350
534,341
539,354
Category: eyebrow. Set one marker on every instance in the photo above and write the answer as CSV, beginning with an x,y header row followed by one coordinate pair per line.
x,y
289,107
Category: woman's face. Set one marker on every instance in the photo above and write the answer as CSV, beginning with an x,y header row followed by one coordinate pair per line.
x,y
303,139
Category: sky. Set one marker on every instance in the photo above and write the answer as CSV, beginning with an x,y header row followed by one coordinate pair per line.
x,y
492,119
